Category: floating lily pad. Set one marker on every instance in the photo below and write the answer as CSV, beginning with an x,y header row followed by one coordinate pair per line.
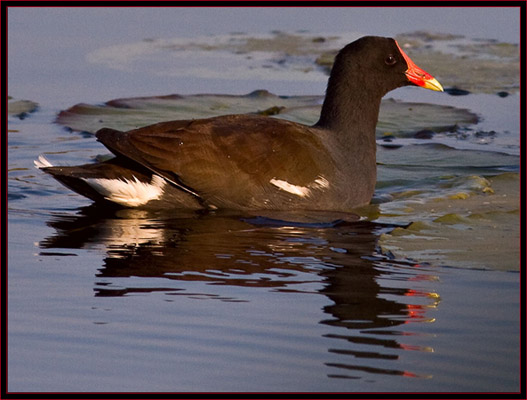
x,y
241,54
405,119
473,64
20,108
427,160
479,229
399,118
411,180
462,209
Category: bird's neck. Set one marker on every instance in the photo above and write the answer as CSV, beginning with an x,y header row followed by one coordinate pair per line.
x,y
350,114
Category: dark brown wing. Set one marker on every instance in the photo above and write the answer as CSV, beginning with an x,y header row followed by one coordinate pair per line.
x,y
228,160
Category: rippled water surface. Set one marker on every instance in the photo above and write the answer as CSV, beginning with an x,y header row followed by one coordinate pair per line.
x,y
422,294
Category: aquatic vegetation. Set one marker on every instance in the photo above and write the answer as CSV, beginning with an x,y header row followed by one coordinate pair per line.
x,y
20,108
397,117
476,228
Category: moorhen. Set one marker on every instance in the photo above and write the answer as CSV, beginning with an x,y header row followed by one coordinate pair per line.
x,y
256,162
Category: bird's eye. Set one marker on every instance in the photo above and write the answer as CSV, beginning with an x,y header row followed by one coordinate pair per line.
x,y
390,60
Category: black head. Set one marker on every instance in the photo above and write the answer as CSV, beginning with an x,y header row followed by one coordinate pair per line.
x,y
363,72
379,65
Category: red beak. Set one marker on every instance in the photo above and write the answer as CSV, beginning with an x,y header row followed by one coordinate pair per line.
x,y
419,77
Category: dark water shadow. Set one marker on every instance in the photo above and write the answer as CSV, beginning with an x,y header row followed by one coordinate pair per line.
x,y
336,251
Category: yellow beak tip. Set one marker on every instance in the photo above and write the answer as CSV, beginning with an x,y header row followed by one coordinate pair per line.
x,y
433,84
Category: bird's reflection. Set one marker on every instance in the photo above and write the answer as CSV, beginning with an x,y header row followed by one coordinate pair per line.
x,y
265,251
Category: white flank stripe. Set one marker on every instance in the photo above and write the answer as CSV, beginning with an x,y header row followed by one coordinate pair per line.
x,y
293,189
321,183
129,193
42,162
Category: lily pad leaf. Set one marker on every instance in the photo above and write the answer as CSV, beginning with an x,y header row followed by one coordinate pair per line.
x,y
477,65
477,230
399,118
21,108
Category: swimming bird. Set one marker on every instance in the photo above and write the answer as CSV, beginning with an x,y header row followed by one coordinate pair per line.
x,y
251,162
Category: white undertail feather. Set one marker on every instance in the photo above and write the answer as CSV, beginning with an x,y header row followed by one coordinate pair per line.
x,y
128,192
42,162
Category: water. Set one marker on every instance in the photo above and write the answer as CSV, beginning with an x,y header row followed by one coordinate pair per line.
x,y
136,302
127,300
